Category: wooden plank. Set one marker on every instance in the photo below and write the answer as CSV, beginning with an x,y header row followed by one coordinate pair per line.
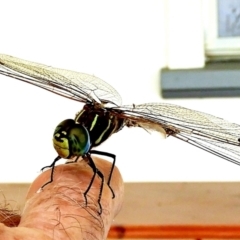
x,y
180,232
166,210
13,195
180,203
163,203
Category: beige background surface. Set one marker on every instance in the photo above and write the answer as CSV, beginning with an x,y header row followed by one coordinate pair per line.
x,y
162,203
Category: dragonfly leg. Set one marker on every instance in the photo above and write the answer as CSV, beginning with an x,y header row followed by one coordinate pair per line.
x,y
74,161
52,171
112,167
99,173
53,163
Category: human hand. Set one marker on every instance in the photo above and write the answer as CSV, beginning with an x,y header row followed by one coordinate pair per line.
x,y
59,211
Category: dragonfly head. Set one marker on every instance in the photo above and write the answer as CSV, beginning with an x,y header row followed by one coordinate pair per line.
x,y
71,139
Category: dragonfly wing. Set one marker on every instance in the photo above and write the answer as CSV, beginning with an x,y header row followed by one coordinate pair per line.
x,y
81,87
202,130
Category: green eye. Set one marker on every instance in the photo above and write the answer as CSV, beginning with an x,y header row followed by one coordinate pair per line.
x,y
71,139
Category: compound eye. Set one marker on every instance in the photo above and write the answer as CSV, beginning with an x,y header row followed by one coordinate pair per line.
x,y
79,140
64,126
71,139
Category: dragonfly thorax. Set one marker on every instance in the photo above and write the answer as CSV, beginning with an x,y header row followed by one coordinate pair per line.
x,y
100,122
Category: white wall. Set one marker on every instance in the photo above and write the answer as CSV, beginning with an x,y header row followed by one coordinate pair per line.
x,y
122,42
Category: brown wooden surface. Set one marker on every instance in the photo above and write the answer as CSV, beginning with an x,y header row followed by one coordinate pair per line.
x,y
13,194
175,232
166,210
180,204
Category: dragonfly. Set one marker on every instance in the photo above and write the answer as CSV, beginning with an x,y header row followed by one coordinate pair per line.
x,y
103,115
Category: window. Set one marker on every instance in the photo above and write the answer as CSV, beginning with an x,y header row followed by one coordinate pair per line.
x,y
198,31
222,29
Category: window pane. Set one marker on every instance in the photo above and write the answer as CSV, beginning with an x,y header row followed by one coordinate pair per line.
x,y
228,18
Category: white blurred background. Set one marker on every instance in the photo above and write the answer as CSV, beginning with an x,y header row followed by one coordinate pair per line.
x,y
124,43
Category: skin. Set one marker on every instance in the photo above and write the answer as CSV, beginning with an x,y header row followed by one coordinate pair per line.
x,y
59,211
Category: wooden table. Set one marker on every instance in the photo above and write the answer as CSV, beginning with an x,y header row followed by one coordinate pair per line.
x,y
168,210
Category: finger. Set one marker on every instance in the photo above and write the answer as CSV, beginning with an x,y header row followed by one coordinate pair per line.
x,y
61,210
